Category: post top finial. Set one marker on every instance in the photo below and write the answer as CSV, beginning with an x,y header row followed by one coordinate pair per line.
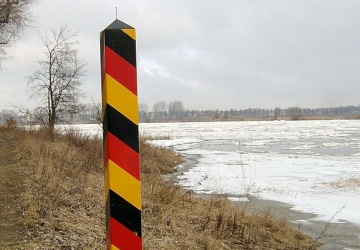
x,y
117,24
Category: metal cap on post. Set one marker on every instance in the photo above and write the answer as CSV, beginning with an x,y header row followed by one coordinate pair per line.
x,y
121,136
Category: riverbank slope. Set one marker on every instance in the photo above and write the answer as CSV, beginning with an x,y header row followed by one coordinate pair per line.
x,y
57,183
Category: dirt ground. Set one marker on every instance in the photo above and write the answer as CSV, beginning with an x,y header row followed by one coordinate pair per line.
x,y
334,236
12,187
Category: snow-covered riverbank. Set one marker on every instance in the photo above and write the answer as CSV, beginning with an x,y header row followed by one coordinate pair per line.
x,y
314,166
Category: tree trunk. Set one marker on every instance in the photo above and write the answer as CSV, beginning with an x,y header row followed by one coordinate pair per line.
x,y
52,121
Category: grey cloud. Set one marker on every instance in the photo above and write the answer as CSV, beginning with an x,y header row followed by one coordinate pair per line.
x,y
231,54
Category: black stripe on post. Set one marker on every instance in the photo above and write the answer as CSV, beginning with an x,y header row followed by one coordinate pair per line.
x,y
121,44
123,212
121,127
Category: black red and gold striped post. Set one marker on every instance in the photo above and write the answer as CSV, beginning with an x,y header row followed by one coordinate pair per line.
x,y
121,137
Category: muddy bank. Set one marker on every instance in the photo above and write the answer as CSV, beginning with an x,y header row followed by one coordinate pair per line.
x,y
339,236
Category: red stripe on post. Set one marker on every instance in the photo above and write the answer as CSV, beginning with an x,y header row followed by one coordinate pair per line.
x,y
121,70
123,155
121,237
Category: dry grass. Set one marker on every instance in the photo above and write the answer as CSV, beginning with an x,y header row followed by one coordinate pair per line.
x,y
346,183
63,206
64,203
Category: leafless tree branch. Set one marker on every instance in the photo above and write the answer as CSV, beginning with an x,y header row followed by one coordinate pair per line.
x,y
14,17
57,82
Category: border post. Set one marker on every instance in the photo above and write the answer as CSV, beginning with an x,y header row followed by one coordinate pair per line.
x,y
121,137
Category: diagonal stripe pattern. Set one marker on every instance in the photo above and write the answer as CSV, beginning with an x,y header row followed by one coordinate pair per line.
x,y
121,137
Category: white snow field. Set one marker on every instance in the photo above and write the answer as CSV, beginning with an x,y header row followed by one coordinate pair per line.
x,y
313,165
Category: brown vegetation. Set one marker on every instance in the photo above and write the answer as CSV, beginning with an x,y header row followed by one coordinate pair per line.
x,y
346,183
62,201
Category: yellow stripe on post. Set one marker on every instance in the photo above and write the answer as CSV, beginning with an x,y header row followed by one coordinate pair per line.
x,y
130,32
124,184
112,247
120,98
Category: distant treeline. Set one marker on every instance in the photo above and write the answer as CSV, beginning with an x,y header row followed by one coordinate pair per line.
x,y
175,111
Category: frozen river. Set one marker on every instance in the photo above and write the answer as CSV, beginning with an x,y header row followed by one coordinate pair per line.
x,y
312,165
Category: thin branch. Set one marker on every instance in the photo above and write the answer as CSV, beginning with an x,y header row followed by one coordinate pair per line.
x,y
58,80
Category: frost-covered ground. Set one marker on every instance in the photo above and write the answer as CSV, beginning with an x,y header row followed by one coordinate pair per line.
x,y
313,165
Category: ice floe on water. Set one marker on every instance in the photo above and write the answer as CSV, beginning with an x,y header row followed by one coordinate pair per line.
x,y
312,165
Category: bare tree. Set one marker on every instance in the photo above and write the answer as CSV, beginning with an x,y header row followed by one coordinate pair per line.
x,y
143,110
159,109
277,113
295,113
176,109
143,107
57,81
96,110
14,16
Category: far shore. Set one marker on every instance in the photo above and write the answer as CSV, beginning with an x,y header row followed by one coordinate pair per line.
x,y
234,119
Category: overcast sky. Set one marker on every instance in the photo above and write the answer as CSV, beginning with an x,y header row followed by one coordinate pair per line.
x,y
211,54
